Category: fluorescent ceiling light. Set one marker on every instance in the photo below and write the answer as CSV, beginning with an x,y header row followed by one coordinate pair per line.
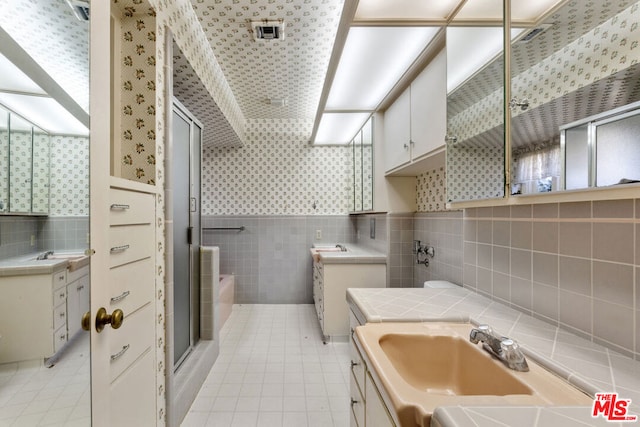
x,y
14,79
404,9
521,11
372,62
339,128
469,49
45,113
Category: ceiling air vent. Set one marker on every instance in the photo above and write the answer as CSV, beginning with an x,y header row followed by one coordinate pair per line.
x,y
268,30
80,9
535,32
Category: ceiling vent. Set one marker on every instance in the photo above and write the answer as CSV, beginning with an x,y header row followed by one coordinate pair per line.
x,y
268,30
80,9
535,32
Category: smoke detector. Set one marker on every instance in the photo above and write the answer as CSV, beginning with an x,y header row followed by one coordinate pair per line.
x,y
268,30
80,9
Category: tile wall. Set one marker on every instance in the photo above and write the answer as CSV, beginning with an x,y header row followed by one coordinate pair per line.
x,y
270,259
57,234
576,265
443,231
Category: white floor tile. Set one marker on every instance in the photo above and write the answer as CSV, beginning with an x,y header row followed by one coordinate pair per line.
x,y
274,370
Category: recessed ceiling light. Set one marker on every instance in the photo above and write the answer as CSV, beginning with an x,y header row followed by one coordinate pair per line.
x,y
339,128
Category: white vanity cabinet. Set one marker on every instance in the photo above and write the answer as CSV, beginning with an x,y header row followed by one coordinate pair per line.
x,y
367,406
416,123
330,284
33,315
78,286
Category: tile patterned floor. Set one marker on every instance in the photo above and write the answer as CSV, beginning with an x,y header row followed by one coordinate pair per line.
x,y
34,395
273,370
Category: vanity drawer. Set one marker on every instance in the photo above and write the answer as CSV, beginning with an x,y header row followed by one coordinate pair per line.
x,y
131,340
129,207
59,279
59,338
72,276
60,316
131,286
357,403
358,368
59,296
130,243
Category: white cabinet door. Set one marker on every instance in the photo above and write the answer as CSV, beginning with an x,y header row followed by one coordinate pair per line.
x,y
429,107
397,127
376,413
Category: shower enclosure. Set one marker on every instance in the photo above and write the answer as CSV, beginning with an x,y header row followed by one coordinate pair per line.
x,y
187,137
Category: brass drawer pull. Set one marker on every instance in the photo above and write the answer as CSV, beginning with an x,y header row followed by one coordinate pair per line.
x,y
119,248
120,353
354,364
117,206
120,297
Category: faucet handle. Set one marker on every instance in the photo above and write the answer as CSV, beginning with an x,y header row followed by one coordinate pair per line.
x,y
486,329
512,355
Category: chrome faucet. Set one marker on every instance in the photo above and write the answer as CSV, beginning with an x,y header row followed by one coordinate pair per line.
x,y
505,349
342,247
44,255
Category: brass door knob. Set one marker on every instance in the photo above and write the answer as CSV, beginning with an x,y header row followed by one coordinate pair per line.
x,y
102,319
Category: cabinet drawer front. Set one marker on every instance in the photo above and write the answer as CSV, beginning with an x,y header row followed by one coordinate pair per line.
x,y
72,276
59,338
358,368
131,340
357,403
133,395
59,296
59,279
130,243
129,207
131,285
60,316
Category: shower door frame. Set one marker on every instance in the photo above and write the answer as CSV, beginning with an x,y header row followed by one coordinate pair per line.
x,y
195,179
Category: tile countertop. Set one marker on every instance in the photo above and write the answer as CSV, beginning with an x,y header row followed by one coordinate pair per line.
x,y
28,264
589,366
355,254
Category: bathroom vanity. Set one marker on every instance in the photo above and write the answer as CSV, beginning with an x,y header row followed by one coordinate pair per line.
x,y
375,399
334,271
41,304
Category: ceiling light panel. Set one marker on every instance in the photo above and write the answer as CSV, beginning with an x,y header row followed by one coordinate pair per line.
x,y
372,62
339,128
15,80
480,10
45,113
404,10
531,11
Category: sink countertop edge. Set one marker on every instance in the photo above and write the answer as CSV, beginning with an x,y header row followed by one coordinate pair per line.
x,y
375,306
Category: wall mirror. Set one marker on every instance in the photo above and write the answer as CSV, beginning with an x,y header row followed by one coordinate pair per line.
x,y
362,169
25,187
475,112
570,69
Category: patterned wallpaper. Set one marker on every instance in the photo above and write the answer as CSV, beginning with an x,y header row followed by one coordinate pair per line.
x,y
138,96
277,173
40,172
475,173
20,172
294,68
431,190
69,176
4,170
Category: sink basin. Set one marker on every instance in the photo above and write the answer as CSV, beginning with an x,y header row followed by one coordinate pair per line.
x,y
423,365
327,249
448,365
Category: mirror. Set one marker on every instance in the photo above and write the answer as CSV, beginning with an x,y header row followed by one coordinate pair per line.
x,y
475,112
362,169
569,70
26,187
37,155
4,160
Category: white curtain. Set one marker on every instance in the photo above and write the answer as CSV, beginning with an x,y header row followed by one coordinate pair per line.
x,y
538,164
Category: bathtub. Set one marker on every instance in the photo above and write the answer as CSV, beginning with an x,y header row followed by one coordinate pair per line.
x,y
225,297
